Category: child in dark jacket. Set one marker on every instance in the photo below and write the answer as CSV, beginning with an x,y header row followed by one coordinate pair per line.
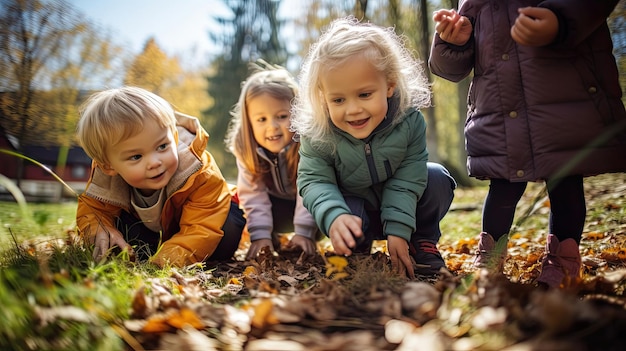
x,y
544,105
267,162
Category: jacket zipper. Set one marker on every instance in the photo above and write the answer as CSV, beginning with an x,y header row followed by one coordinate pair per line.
x,y
277,178
370,163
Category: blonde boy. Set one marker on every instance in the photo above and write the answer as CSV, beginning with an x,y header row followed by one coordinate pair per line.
x,y
154,190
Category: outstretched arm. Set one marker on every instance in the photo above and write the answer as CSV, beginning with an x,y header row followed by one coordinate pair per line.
x,y
452,49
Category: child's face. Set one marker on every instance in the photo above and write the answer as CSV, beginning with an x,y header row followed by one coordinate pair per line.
x,y
269,118
356,95
146,161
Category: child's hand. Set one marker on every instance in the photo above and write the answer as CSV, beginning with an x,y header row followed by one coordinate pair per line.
x,y
535,26
399,253
452,27
107,238
306,244
343,232
256,246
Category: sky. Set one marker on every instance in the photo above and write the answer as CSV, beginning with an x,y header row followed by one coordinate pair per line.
x,y
179,27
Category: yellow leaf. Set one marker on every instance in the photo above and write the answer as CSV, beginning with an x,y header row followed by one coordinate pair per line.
x,y
235,281
321,249
249,270
330,269
335,264
183,317
339,262
593,236
263,314
284,240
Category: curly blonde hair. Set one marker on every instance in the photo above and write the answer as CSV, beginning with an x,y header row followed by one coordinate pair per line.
x,y
342,40
269,79
112,115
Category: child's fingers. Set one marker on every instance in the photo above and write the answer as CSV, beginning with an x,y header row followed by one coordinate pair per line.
x,y
400,258
458,25
395,266
101,246
532,13
407,265
441,14
343,233
343,241
256,246
306,244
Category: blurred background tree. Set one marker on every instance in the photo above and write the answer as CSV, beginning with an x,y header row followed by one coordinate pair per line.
x,y
153,70
52,56
49,53
252,32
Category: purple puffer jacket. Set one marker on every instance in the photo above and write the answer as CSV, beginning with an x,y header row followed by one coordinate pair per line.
x,y
538,112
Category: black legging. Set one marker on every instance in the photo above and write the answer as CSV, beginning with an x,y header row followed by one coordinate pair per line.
x,y
567,207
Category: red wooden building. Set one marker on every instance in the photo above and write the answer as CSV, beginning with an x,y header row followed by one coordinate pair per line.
x,y
36,183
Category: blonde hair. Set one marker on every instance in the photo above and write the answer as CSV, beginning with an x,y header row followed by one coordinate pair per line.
x,y
265,79
342,40
112,115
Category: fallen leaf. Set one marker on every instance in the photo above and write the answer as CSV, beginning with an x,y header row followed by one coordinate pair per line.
x,y
263,314
335,264
185,317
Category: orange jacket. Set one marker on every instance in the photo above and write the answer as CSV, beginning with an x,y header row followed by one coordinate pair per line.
x,y
196,206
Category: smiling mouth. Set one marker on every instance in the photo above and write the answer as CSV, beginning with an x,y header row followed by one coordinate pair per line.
x,y
358,123
274,138
158,175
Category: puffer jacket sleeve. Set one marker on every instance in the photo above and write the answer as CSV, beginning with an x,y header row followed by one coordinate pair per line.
x,y
256,204
451,62
92,215
318,186
204,209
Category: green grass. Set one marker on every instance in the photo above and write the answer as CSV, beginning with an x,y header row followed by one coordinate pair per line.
x,y
47,219
53,296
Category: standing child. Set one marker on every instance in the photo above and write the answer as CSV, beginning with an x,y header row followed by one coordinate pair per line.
x,y
544,105
152,182
267,162
363,169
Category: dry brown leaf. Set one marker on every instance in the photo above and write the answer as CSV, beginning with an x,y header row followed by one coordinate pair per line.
x,y
139,305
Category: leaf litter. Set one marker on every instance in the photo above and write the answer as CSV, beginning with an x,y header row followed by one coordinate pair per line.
x,y
328,302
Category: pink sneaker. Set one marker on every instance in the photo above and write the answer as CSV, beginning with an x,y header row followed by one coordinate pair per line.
x,y
561,262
